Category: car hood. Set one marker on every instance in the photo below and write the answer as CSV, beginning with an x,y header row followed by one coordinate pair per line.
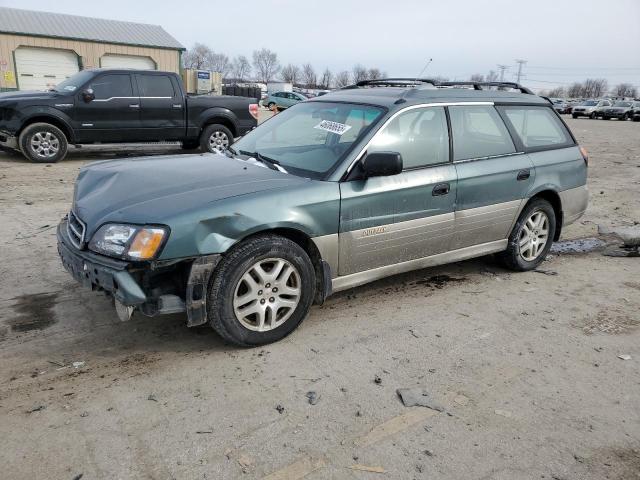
x,y
27,95
154,190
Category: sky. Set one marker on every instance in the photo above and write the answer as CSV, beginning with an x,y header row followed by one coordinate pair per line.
x,y
561,40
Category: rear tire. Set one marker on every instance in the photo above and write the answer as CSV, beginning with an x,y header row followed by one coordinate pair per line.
x,y
43,143
536,224
261,291
216,138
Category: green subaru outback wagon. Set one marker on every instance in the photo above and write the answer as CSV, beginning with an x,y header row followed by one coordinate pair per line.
x,y
373,180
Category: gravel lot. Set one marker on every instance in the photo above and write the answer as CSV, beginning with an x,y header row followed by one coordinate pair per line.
x,y
525,365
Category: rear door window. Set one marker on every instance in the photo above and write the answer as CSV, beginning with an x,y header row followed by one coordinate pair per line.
x,y
538,127
111,86
478,131
158,86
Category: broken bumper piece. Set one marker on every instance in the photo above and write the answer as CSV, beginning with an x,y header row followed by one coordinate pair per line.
x,y
99,272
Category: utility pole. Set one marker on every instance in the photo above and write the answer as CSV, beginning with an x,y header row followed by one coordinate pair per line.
x,y
502,70
520,64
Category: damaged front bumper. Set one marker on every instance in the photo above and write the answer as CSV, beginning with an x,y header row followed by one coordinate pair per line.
x,y
153,288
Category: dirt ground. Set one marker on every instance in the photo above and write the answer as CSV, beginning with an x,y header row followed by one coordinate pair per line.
x,y
526,365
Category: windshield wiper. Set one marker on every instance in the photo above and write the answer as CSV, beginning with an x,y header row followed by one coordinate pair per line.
x,y
269,162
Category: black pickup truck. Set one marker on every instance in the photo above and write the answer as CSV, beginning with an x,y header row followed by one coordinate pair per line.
x,y
119,106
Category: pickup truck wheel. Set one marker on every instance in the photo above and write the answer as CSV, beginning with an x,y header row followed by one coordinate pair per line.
x,y
531,237
43,143
216,138
261,291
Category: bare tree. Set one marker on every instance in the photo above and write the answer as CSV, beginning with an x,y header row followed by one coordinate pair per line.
x,y
290,74
594,87
575,90
477,77
558,92
241,68
492,76
342,79
359,73
625,90
375,74
219,62
266,64
309,77
325,79
198,57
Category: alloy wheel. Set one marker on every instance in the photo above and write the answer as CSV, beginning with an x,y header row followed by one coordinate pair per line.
x,y
534,236
267,294
45,144
218,141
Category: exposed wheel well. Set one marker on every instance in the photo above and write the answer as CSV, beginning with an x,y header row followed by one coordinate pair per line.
x,y
50,120
305,242
222,121
554,199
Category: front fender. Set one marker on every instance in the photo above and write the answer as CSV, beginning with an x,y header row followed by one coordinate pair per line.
x,y
42,113
312,209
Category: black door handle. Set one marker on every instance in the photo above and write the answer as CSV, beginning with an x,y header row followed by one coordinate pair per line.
x,y
523,175
440,189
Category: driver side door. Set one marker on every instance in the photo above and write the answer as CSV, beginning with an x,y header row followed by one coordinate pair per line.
x,y
394,219
113,115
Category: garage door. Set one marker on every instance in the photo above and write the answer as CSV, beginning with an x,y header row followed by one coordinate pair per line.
x,y
127,61
43,68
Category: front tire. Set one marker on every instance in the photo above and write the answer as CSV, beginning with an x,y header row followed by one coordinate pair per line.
x,y
216,138
43,143
261,291
531,237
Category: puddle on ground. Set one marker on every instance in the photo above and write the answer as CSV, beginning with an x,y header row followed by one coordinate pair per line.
x,y
33,312
439,281
582,245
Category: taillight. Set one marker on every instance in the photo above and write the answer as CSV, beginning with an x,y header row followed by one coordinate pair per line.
x,y
585,155
253,110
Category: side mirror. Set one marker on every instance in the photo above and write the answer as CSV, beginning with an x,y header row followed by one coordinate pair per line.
x,y
88,95
382,164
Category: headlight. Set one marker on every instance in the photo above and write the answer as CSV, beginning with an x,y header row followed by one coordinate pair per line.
x,y
130,242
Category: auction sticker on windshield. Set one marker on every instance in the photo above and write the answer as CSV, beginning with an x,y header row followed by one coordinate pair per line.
x,y
333,127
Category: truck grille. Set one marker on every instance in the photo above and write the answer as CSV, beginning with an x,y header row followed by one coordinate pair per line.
x,y
75,229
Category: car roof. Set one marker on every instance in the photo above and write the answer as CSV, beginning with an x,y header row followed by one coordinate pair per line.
x,y
392,97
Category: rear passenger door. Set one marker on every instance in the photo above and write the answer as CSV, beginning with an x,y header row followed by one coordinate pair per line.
x,y
162,109
493,175
394,219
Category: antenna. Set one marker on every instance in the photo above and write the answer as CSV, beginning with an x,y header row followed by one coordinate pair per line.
x,y
401,99
424,69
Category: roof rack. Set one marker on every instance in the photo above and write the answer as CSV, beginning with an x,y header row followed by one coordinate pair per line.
x,y
391,82
402,82
479,85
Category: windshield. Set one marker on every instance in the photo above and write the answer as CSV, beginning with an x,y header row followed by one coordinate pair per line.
x,y
74,82
622,104
589,103
310,138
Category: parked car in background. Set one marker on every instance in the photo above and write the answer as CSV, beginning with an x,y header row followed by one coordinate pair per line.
x,y
283,100
622,110
590,108
635,115
359,184
120,106
561,106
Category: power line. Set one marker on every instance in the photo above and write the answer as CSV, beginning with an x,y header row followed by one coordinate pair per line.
x,y
502,70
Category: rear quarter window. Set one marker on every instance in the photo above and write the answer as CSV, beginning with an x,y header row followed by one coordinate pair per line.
x,y
538,127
